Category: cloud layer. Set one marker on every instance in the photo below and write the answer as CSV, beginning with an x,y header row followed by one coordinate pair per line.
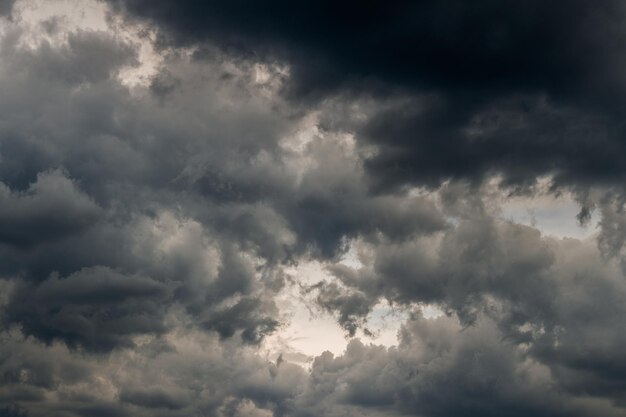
x,y
166,174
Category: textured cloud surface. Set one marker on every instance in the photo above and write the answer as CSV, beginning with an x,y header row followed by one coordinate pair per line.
x,y
312,209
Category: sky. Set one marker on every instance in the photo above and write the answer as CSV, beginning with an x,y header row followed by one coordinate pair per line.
x,y
312,209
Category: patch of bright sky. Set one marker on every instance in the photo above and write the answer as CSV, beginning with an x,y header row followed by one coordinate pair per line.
x,y
553,215
309,332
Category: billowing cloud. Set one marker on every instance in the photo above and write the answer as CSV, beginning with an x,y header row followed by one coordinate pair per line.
x,y
180,183
51,208
462,90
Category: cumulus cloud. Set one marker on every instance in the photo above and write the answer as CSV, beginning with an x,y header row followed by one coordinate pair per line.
x,y
439,369
51,208
150,225
463,90
96,308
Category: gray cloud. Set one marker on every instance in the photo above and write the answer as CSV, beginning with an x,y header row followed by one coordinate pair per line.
x,y
439,369
96,308
5,9
535,290
462,91
152,399
145,231
51,208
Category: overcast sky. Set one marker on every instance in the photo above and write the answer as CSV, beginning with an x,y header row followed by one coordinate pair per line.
x,y
312,208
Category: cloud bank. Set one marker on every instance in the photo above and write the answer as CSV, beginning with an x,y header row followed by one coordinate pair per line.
x,y
169,169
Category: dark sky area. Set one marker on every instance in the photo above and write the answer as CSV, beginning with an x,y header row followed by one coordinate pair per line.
x,y
199,198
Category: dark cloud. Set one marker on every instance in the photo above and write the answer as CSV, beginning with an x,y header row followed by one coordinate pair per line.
x,y
428,140
191,374
96,308
478,255
12,412
518,89
51,208
149,231
486,46
439,369
98,222
536,291
152,399
612,225
6,6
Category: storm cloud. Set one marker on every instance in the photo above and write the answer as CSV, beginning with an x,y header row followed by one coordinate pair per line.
x,y
464,90
198,198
